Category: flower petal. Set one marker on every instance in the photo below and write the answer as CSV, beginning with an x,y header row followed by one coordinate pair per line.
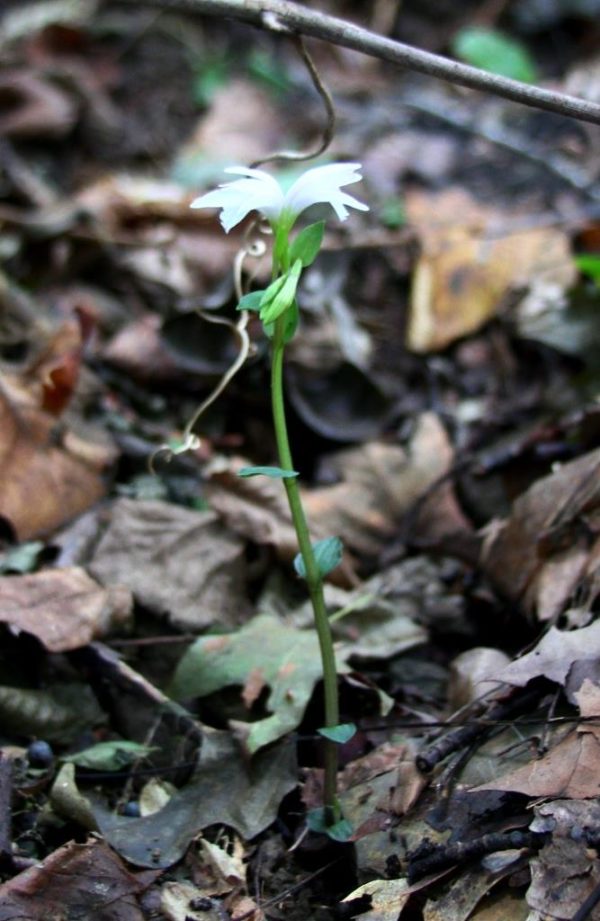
x,y
322,184
256,191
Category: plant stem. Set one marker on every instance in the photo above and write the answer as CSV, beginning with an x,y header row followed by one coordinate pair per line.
x,y
314,579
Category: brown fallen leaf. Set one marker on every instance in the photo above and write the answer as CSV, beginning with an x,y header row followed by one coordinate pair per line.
x,y
254,507
64,608
565,872
241,125
53,374
85,880
176,561
49,473
37,107
554,657
42,485
550,545
470,675
570,769
380,483
467,266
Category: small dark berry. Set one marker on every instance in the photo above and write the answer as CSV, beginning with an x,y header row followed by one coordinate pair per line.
x,y
40,754
132,809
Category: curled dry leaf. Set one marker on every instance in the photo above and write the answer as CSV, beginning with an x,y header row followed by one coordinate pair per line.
x,y
471,675
48,474
565,657
569,769
63,608
549,548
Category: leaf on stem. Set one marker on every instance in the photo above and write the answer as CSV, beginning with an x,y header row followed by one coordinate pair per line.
x,y
281,294
328,555
251,301
276,473
307,244
316,819
291,319
341,733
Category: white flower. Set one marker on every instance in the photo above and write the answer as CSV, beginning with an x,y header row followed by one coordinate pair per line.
x,y
258,191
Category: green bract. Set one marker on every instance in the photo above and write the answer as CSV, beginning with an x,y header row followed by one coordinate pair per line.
x,y
280,295
328,555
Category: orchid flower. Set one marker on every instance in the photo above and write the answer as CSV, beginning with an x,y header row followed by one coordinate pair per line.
x,y
277,308
259,191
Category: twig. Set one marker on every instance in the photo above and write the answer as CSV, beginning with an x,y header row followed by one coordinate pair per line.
x,y
284,16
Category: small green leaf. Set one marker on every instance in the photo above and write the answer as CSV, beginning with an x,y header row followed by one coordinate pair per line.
x,y
589,264
109,756
316,819
341,733
328,555
495,52
273,305
251,301
307,244
276,473
292,318
393,213
22,558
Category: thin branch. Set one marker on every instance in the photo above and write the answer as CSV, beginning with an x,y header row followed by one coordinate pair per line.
x,y
284,16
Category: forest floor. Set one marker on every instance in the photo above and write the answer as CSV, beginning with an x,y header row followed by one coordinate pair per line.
x,y
160,693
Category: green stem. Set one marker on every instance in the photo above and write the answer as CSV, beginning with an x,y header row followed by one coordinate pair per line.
x,y
314,579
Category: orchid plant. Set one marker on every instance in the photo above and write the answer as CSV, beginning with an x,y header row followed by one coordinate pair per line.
x,y
277,308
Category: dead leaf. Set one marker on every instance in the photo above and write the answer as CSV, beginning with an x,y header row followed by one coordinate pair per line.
x,y
42,485
471,675
76,875
563,875
386,899
226,789
138,350
178,898
545,549
254,507
570,769
64,608
34,107
241,125
461,897
468,266
177,562
500,906
588,700
53,374
554,656
380,483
